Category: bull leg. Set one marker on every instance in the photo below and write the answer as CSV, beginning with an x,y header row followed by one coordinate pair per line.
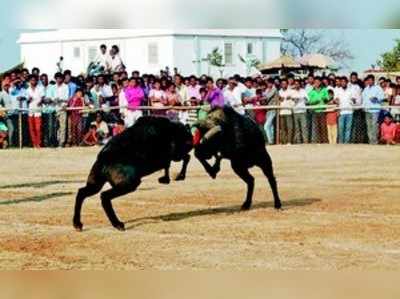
x,y
210,169
266,165
94,184
83,193
182,175
108,196
244,174
165,179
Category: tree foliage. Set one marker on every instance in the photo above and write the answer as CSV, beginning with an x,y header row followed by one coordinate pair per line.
x,y
298,42
390,61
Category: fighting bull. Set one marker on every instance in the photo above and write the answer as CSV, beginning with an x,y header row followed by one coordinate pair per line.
x,y
148,146
227,134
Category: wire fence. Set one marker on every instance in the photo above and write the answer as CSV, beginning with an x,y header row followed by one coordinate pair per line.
x,y
279,124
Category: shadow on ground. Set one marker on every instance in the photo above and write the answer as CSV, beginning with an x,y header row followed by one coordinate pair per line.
x,y
37,198
39,184
216,211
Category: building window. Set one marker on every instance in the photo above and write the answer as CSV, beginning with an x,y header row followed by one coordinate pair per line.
x,y
92,53
152,53
77,52
228,53
249,48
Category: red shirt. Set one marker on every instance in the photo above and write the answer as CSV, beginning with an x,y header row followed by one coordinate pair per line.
x,y
388,131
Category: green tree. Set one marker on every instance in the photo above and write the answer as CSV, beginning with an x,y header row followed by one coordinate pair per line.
x,y
214,59
250,61
390,61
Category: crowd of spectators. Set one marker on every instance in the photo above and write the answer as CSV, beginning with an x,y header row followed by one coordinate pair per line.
x,y
65,110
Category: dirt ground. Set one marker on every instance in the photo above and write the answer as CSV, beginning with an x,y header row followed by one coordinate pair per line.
x,y
341,211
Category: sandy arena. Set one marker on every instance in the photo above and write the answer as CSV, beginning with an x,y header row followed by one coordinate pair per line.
x,y
341,211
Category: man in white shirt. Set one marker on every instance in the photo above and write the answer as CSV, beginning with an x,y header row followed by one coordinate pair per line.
x,y
299,96
36,95
114,61
58,99
101,58
358,114
11,106
346,101
232,96
286,117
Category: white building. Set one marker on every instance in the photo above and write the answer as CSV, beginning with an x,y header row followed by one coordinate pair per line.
x,y
150,50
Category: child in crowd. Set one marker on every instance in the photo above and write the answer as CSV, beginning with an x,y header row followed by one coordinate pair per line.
x,y
331,118
90,138
75,118
119,127
388,131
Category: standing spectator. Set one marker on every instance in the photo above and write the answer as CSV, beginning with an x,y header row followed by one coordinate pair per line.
x,y
181,89
134,97
372,97
318,97
388,131
299,113
193,88
157,98
232,96
10,115
122,101
214,95
248,94
285,115
35,97
18,95
58,102
359,125
331,118
72,87
260,114
172,99
76,104
271,99
346,101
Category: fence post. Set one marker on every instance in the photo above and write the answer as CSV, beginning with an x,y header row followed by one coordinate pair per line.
x,y
20,129
277,131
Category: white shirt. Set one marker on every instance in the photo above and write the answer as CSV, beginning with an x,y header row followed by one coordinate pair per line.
x,y
122,102
104,91
114,64
286,95
10,103
35,97
102,59
300,99
233,98
61,94
356,93
345,97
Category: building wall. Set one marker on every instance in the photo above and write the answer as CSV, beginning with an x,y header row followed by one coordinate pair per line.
x,y
172,51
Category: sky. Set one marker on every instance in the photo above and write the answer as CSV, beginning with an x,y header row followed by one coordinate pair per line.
x,y
365,44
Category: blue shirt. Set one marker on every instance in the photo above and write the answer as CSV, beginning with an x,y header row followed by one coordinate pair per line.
x,y
16,92
372,97
72,87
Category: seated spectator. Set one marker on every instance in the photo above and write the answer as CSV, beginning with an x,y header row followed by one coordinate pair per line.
x,y
90,138
102,131
388,131
119,127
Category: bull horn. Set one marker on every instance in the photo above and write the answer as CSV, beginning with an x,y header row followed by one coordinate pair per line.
x,y
210,133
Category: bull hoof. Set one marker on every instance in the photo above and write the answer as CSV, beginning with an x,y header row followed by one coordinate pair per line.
x,y
164,180
78,226
119,226
213,174
278,206
180,177
246,206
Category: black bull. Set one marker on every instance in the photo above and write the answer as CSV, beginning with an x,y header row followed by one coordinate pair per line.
x,y
148,146
154,142
239,139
